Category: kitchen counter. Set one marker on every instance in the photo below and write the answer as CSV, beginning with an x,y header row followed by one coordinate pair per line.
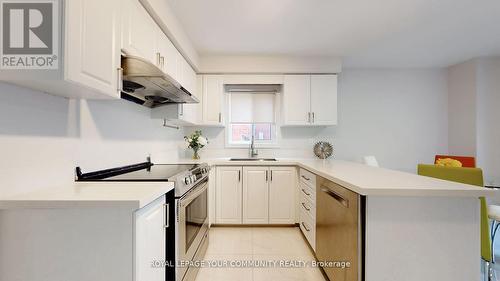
x,y
370,181
405,216
90,194
362,179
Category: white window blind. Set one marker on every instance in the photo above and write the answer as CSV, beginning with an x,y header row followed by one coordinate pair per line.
x,y
252,107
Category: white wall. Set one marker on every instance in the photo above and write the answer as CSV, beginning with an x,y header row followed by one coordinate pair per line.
x,y
400,116
474,100
43,138
462,84
488,119
269,64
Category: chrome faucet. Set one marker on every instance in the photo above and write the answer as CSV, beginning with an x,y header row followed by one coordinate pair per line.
x,y
253,152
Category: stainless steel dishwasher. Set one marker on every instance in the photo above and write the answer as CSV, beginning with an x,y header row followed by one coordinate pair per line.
x,y
339,231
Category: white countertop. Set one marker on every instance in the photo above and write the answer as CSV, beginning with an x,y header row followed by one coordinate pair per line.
x,y
90,194
371,181
359,178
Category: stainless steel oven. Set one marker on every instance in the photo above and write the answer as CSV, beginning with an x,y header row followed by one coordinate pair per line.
x,y
192,228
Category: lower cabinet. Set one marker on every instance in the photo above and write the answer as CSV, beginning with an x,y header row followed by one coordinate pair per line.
x,y
255,195
307,206
150,240
228,194
282,185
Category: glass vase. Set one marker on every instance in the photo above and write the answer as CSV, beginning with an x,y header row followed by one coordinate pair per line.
x,y
196,156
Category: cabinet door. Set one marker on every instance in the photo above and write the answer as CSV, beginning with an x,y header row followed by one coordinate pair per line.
x,y
228,195
169,55
296,100
212,99
282,187
150,241
187,76
188,112
92,44
324,99
255,195
140,32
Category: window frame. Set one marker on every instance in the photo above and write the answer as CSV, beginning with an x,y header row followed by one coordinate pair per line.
x,y
275,135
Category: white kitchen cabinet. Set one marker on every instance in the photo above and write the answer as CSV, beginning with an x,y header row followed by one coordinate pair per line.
x,y
213,98
143,37
310,100
150,240
169,56
92,45
89,61
324,99
228,195
296,99
256,195
307,206
140,32
282,187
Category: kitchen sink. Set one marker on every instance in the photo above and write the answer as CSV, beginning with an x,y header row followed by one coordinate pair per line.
x,y
253,159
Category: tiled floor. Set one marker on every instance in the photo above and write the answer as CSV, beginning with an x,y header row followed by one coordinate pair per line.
x,y
262,244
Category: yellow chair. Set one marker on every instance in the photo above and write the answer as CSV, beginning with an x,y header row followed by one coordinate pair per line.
x,y
472,176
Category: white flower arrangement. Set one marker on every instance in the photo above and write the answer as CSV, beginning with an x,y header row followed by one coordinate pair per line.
x,y
196,142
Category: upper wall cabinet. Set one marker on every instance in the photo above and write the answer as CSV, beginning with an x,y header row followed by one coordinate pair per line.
x,y
143,37
89,65
212,100
140,32
309,100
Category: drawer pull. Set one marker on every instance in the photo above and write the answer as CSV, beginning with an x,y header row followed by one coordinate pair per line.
x,y
306,178
305,207
305,192
305,227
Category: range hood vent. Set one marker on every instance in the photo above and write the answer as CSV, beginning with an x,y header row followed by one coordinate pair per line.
x,y
147,85
253,88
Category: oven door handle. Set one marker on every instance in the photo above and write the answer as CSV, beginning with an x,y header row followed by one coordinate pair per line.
x,y
194,193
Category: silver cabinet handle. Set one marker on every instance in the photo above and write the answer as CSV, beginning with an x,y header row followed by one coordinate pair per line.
x,y
271,175
306,178
120,79
305,207
266,177
313,117
309,117
305,192
158,58
239,176
305,227
181,109
162,62
335,196
220,117
167,215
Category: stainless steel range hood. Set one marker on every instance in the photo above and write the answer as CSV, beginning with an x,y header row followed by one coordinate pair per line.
x,y
146,84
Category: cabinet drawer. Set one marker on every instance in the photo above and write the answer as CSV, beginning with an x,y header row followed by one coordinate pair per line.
x,y
308,192
308,227
307,206
308,178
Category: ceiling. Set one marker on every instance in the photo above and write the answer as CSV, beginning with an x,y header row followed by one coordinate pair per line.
x,y
369,33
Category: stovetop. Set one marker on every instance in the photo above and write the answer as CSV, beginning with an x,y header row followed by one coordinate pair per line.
x,y
157,172
184,176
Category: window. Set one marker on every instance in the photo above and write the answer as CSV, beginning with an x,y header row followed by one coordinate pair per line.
x,y
251,114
